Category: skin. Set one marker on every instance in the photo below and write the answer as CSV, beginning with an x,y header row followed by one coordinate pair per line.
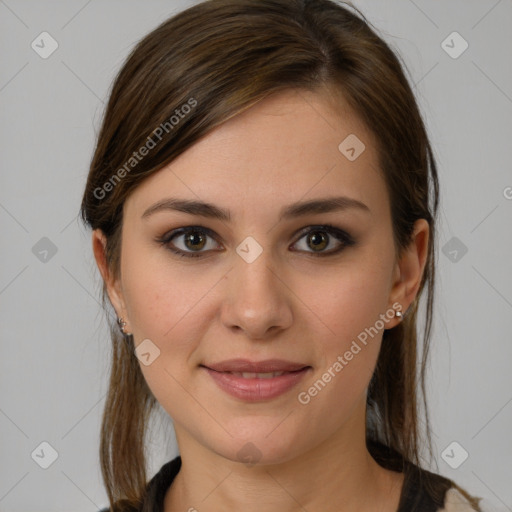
x,y
286,304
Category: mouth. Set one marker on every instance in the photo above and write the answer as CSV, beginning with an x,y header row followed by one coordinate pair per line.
x,y
256,381
255,375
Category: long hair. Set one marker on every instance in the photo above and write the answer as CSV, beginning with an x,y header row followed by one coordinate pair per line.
x,y
198,69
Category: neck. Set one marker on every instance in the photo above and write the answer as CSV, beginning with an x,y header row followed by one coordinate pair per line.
x,y
338,475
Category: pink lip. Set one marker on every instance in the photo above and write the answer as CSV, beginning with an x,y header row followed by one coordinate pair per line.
x,y
256,389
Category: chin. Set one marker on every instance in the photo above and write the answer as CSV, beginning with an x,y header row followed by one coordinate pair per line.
x,y
261,446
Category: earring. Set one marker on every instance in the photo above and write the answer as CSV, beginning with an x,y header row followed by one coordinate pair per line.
x,y
399,315
122,325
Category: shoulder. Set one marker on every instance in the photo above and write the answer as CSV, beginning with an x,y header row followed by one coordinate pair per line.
x,y
427,491
424,490
455,501
434,492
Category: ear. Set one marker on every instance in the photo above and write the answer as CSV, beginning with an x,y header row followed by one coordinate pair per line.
x,y
99,243
409,268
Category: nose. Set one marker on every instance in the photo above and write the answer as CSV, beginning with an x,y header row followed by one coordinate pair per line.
x,y
257,299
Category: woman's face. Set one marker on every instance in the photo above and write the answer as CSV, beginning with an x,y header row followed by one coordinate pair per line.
x,y
264,282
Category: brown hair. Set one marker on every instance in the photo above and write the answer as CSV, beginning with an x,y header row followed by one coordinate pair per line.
x,y
220,57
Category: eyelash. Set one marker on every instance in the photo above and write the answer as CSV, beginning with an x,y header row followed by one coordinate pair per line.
x,y
339,234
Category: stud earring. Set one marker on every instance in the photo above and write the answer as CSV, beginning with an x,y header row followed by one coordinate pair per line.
x,y
122,325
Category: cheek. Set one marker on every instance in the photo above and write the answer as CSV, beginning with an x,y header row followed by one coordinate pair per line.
x,y
163,304
347,300
348,304
172,307
347,353
161,298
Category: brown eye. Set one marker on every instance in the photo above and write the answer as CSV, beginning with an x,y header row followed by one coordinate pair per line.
x,y
195,240
318,240
189,242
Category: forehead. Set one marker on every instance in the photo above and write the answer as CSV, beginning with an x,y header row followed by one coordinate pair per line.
x,y
290,146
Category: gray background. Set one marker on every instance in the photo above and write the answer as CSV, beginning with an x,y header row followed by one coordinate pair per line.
x,y
55,346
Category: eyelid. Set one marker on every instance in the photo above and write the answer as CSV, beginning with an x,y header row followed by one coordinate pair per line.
x,y
329,228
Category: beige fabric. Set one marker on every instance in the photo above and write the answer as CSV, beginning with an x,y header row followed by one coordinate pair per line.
x,y
455,502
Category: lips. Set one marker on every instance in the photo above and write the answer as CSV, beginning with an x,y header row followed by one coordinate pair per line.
x,y
256,381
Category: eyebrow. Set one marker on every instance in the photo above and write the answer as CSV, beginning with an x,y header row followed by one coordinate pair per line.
x,y
320,205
